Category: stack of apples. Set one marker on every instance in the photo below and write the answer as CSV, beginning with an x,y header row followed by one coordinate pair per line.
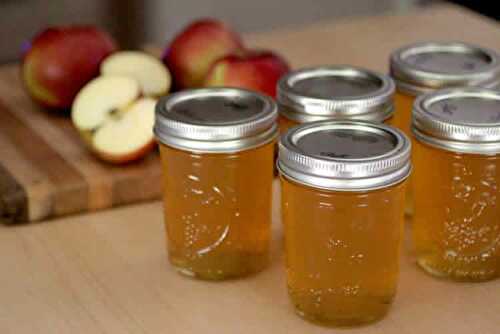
x,y
207,53
112,94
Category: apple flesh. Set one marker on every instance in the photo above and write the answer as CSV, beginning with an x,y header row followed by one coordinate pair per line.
x,y
151,74
255,70
193,51
101,97
114,121
129,136
59,61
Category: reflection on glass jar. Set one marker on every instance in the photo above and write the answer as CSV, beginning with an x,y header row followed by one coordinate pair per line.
x,y
217,151
456,179
343,188
426,67
334,93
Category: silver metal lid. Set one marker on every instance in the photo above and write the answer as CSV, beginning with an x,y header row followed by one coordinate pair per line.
x,y
425,67
345,156
335,92
216,120
461,120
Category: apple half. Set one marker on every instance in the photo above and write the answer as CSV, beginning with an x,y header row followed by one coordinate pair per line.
x,y
152,75
114,120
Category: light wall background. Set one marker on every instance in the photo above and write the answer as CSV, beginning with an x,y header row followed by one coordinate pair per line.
x,y
135,22
258,15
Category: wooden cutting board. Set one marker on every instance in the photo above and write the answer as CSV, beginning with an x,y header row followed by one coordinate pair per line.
x,y
46,171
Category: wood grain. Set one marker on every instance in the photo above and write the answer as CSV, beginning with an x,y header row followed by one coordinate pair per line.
x,y
69,198
36,184
13,199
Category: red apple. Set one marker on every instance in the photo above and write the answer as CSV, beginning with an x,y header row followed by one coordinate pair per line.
x,y
61,60
191,53
255,70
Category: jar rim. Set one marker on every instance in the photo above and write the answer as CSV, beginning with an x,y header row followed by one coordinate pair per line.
x,y
373,102
383,162
460,131
414,79
216,120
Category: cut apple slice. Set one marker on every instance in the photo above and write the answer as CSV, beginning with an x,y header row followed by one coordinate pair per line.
x,y
152,75
113,120
100,98
128,135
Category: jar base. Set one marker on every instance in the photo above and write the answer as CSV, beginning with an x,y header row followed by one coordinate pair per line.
x,y
365,312
221,267
356,321
444,271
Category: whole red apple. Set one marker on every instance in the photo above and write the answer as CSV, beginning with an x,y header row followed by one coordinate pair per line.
x,y
255,70
194,49
60,60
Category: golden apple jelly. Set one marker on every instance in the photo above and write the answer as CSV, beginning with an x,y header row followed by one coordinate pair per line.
x,y
456,228
426,67
217,152
334,93
343,188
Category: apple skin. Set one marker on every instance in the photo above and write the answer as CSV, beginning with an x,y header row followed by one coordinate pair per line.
x,y
194,49
59,61
257,70
127,158
116,159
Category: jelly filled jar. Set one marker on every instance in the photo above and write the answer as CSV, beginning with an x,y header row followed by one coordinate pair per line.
x,y
217,152
456,227
334,93
426,67
343,188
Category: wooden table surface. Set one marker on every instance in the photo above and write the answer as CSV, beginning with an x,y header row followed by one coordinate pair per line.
x,y
107,272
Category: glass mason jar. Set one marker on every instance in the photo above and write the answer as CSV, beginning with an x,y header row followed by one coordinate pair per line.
x,y
217,152
334,93
456,227
343,188
426,67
